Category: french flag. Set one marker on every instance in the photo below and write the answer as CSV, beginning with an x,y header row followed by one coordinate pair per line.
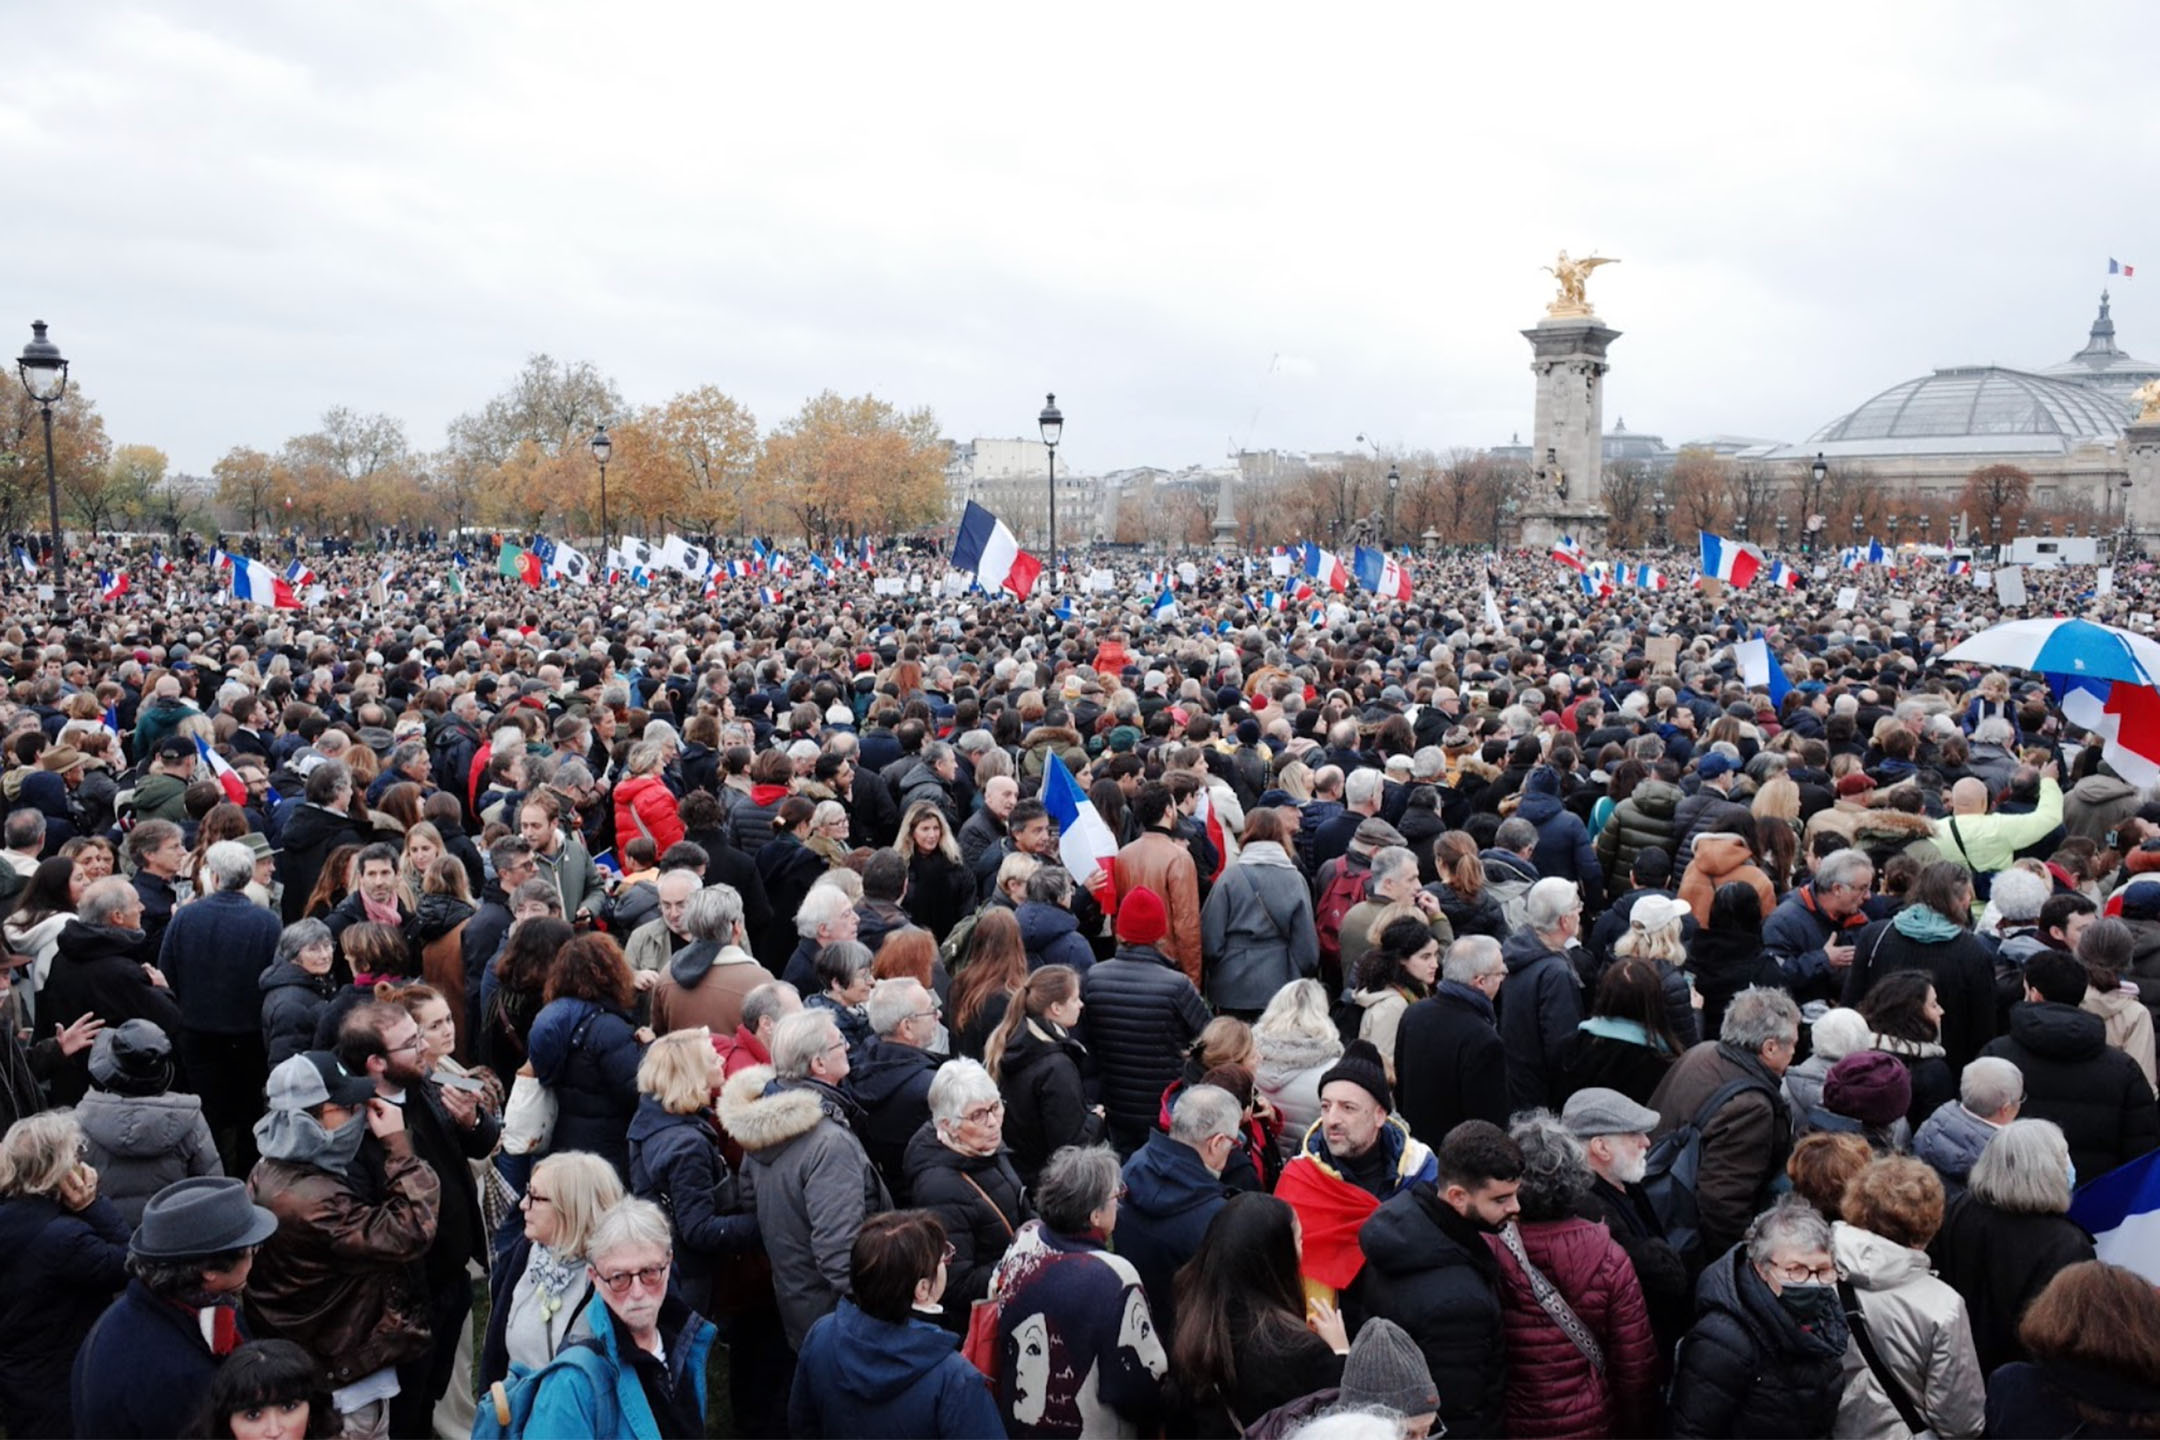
x,y
1085,843
113,583
1326,568
2121,1209
1959,567
1728,560
161,562
1784,576
2115,267
985,546
766,595
1165,606
1759,667
1569,553
1204,812
2126,719
235,789
258,584
298,574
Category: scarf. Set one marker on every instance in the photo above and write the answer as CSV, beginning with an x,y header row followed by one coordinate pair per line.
x,y
381,914
1919,923
552,1277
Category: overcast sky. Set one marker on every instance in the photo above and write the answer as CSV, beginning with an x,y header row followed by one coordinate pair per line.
x,y
1204,226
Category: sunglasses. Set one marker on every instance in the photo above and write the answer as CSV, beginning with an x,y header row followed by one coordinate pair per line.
x,y
652,1277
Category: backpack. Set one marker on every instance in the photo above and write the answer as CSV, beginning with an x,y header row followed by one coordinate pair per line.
x,y
958,947
506,1406
1346,889
1675,1164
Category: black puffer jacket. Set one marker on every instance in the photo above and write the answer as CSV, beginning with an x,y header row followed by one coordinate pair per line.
x,y
588,1056
1642,820
1748,1368
292,1003
2073,1077
1141,1012
891,1082
304,844
675,1162
63,1268
1999,1261
1046,1104
1964,971
1480,916
945,1182
1429,1270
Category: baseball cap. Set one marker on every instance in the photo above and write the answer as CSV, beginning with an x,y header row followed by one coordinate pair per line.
x,y
314,1077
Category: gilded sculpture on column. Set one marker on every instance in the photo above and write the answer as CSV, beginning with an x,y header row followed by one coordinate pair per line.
x,y
1571,302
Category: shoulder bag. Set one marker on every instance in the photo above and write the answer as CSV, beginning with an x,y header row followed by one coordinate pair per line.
x,y
1554,1304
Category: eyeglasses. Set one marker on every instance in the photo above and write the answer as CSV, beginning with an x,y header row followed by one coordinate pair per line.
x,y
1795,1273
652,1277
930,1014
1123,1192
412,1044
984,1114
533,1197
951,1251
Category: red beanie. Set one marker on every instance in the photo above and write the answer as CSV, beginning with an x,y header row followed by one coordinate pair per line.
x,y
1141,919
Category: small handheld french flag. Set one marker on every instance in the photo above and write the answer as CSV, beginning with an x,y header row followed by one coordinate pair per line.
x,y
113,583
298,573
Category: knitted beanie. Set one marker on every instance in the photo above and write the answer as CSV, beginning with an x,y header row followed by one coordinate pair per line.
x,y
1141,919
1360,1065
1870,1086
1386,1368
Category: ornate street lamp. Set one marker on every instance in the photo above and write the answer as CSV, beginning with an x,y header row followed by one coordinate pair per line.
x,y
44,373
1784,524
1657,511
1394,483
1052,423
602,448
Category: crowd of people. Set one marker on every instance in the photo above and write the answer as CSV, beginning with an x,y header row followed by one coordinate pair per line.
x,y
468,1009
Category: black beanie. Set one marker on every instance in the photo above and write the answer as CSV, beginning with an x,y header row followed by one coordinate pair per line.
x,y
1360,1065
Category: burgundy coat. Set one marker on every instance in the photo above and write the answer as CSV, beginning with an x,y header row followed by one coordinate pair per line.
x,y
1551,1389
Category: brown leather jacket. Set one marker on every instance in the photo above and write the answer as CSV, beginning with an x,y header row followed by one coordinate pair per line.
x,y
1160,861
342,1275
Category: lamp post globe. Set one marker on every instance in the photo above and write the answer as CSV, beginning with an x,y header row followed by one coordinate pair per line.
x,y
44,372
1820,469
602,448
1052,424
1394,483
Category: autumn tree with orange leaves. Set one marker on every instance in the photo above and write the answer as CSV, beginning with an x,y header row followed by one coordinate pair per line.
x,y
845,466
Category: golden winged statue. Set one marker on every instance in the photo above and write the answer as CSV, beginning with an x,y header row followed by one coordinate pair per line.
x,y
1571,301
2147,397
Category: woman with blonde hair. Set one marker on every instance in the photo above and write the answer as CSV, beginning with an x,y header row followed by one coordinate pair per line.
x,y
1778,828
1295,1042
539,1287
67,1259
940,890
675,1159
423,846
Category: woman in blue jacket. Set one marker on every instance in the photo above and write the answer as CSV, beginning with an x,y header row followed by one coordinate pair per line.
x,y
876,1365
584,1050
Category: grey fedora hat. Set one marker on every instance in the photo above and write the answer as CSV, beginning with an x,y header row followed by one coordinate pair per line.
x,y
204,1216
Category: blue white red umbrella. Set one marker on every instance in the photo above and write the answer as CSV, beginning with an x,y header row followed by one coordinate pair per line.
x,y
2079,649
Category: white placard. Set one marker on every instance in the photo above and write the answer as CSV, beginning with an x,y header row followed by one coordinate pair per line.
x,y
2010,585
1848,598
1900,610
888,585
1188,574
1983,579
45,594
1102,582
1279,566
2104,580
957,582
914,582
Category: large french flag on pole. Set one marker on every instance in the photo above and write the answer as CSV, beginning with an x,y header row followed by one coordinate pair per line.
x,y
258,584
2122,1210
1728,560
228,780
987,548
2125,719
1323,566
1085,843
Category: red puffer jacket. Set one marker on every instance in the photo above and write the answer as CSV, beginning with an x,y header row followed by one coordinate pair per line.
x,y
645,799
1551,1388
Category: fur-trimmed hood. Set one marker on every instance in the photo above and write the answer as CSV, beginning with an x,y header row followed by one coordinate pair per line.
x,y
761,1113
1891,827
1051,735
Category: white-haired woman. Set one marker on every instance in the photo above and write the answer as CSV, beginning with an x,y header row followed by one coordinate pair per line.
x,y
2010,1233
1297,1041
631,1310
539,1287
66,1259
829,832
958,1169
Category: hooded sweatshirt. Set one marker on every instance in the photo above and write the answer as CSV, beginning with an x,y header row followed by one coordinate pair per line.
x,y
863,1376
